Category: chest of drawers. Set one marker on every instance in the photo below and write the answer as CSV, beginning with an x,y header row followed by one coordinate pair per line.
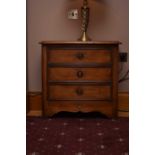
x,y
80,76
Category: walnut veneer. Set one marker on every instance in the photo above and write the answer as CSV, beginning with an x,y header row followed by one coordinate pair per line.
x,y
80,76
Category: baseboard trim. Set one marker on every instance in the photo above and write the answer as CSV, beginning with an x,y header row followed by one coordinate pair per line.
x,y
123,104
123,114
34,101
35,113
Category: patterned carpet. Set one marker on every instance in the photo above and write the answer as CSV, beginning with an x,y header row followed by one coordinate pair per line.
x,y
77,136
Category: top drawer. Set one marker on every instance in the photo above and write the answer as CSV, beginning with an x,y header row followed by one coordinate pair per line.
x,y
79,56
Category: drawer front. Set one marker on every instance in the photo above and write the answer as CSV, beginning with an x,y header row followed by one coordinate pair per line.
x,y
84,56
61,92
79,74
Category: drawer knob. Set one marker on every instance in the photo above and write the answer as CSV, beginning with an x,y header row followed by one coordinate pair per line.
x,y
79,91
79,74
80,56
79,107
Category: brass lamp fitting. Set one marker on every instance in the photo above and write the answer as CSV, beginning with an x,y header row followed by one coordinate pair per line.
x,y
85,21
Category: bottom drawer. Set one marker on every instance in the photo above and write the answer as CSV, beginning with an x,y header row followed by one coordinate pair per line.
x,y
61,92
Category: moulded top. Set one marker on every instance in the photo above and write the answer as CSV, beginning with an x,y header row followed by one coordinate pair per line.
x,y
79,42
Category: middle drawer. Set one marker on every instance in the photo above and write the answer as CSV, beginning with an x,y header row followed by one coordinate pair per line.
x,y
79,74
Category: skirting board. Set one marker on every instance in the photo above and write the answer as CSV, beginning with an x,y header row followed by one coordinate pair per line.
x,y
34,113
35,104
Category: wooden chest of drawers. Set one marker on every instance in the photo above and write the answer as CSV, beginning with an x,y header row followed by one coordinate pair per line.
x,y
80,76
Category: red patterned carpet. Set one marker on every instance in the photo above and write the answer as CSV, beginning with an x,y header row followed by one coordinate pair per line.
x,y
77,136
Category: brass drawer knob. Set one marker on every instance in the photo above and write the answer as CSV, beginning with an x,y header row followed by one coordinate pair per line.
x,y
79,91
79,107
79,74
80,56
